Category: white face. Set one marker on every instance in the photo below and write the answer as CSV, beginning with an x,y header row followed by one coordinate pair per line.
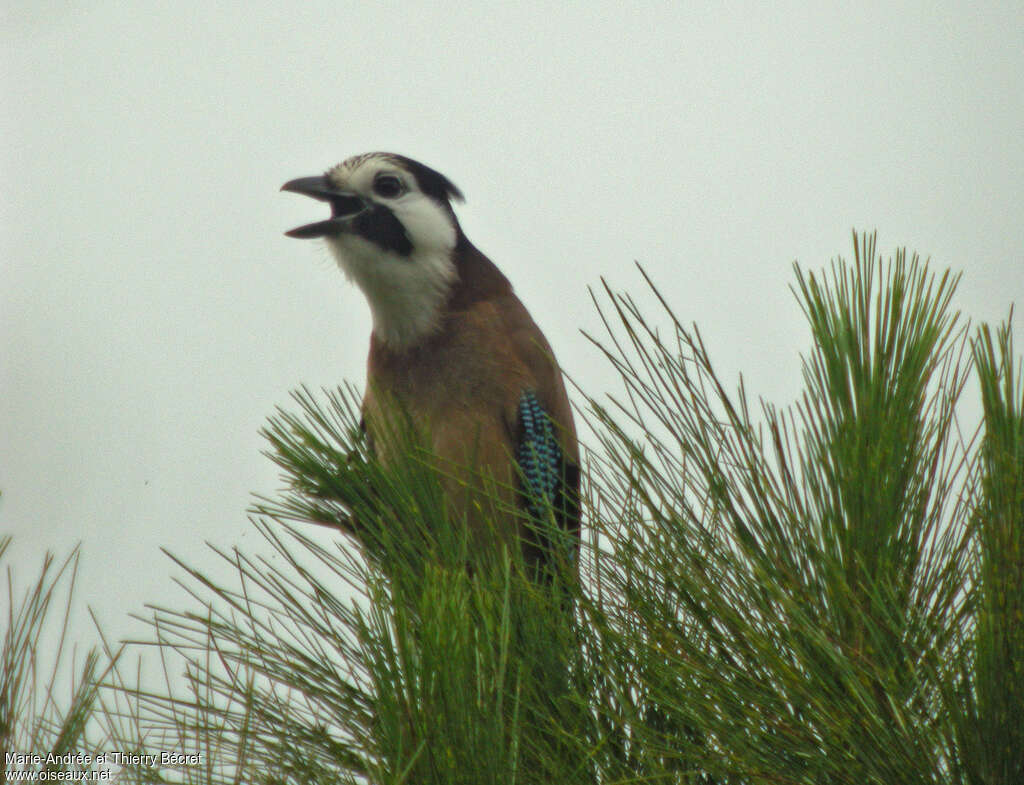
x,y
406,291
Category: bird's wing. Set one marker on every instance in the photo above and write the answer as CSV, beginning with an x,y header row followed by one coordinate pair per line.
x,y
543,435
550,480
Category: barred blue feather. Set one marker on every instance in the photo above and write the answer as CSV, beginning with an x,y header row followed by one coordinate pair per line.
x,y
538,454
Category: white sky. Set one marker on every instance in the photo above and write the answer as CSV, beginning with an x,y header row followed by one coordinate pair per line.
x,y
152,314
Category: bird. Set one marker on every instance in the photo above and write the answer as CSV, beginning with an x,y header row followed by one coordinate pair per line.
x,y
454,350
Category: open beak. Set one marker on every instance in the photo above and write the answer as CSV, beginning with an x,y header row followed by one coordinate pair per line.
x,y
345,205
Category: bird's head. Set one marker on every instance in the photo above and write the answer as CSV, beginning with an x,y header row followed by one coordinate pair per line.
x,y
393,231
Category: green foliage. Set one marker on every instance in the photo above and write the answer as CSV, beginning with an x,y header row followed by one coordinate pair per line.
x,y
988,708
800,583
394,656
32,717
828,593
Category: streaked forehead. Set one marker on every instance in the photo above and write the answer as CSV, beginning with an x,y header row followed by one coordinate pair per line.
x,y
360,169
347,170
357,161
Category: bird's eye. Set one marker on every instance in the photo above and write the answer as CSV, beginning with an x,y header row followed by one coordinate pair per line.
x,y
388,186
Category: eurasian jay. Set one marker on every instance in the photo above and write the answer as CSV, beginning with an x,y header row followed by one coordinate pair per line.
x,y
453,348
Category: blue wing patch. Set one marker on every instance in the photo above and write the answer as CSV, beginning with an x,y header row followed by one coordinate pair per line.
x,y
539,455
550,485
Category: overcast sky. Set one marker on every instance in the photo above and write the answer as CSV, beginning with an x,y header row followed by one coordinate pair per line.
x,y
153,314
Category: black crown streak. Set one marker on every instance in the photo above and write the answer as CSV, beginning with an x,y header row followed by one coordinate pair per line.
x,y
374,222
379,225
430,181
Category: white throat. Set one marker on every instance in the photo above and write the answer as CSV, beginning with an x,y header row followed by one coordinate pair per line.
x,y
406,294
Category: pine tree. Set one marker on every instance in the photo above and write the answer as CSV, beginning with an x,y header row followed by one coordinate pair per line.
x,y
827,593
